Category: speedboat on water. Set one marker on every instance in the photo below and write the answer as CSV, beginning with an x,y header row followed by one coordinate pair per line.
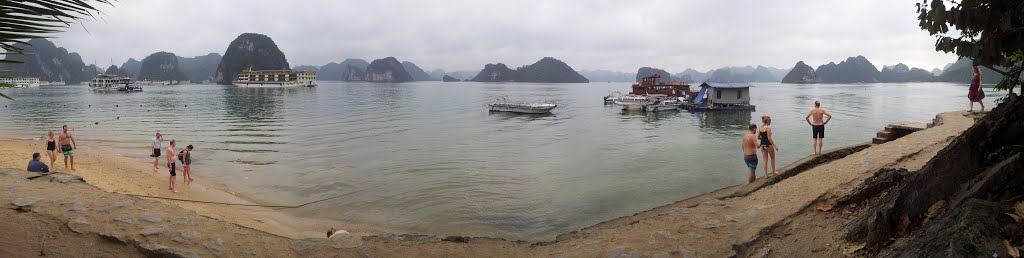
x,y
504,105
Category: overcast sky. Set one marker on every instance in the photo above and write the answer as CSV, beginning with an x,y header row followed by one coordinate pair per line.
x,y
457,34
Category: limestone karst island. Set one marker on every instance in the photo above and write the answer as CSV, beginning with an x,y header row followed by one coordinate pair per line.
x,y
511,129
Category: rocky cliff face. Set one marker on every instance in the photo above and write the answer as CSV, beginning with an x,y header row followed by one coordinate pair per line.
x,y
960,72
161,66
385,70
48,62
200,68
131,68
549,70
801,73
250,50
853,70
648,71
416,72
112,70
495,73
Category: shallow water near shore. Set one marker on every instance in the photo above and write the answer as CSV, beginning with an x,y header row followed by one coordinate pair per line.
x,y
427,157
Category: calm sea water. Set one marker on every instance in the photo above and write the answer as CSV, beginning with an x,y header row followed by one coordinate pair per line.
x,y
428,157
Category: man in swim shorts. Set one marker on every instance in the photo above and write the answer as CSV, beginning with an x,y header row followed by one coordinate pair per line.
x,y
817,126
750,152
67,146
171,167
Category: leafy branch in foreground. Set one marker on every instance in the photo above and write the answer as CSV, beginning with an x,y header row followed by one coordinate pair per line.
x,y
991,33
21,20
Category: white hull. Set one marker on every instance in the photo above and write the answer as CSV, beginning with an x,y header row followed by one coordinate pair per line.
x,y
521,110
275,84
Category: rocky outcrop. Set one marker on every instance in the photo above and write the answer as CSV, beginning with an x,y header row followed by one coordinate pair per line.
x,y
801,73
449,78
902,73
549,70
495,73
161,66
112,70
648,71
384,70
854,70
200,68
250,50
417,73
48,62
545,70
132,67
960,72
348,70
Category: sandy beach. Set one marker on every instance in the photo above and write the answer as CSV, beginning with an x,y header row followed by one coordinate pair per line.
x,y
770,218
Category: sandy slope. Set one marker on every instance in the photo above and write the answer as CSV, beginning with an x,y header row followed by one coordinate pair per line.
x,y
712,225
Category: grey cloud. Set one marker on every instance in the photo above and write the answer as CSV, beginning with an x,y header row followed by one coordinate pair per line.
x,y
463,34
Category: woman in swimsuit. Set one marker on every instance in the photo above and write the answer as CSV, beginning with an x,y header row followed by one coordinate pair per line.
x,y
768,147
51,148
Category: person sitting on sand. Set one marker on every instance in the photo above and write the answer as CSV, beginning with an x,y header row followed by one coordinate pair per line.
x,y
35,165
171,166
186,160
817,127
768,147
750,152
67,146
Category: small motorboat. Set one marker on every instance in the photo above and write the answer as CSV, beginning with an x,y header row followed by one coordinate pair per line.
x,y
613,97
504,105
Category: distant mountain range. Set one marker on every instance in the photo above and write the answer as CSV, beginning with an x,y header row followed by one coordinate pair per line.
x,y
48,62
859,70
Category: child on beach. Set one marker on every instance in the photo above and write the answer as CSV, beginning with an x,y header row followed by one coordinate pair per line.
x,y
185,156
171,167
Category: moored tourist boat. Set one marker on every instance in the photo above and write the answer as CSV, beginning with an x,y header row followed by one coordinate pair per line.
x,y
721,96
275,78
21,82
504,105
109,82
653,85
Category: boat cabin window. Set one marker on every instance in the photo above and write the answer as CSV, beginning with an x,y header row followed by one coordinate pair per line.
x,y
739,94
718,93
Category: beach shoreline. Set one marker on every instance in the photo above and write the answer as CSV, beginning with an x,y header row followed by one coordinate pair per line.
x,y
724,222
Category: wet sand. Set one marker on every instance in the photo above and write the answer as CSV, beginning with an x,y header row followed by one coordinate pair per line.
x,y
740,220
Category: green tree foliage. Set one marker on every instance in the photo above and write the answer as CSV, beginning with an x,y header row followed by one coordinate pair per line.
x,y
991,33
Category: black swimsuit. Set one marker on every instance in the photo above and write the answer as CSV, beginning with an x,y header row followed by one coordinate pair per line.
x,y
765,143
51,145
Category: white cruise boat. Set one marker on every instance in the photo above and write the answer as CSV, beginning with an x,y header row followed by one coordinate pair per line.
x,y
21,82
275,78
504,105
108,82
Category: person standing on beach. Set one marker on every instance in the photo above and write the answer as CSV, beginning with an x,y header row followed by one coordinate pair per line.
x,y
171,166
67,146
750,152
975,93
768,147
186,160
158,145
817,126
51,148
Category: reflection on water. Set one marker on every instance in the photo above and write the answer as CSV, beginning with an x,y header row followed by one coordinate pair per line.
x,y
428,157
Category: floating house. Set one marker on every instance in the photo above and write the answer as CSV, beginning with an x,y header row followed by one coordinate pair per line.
x,y
722,96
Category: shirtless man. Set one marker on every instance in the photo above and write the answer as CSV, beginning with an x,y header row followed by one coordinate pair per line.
x,y
67,146
817,126
750,152
171,166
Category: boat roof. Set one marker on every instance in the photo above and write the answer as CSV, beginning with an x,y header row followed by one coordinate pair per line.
x,y
727,85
